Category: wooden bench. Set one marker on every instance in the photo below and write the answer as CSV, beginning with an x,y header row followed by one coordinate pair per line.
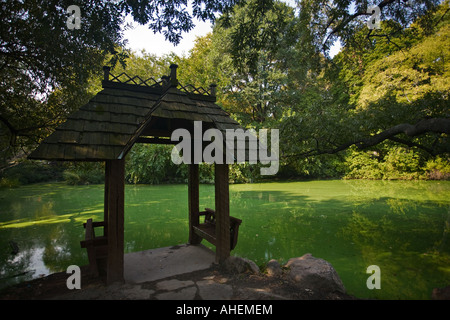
x,y
207,230
96,246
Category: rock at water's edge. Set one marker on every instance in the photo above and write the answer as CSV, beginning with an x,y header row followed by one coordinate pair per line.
x,y
441,293
240,265
273,268
314,273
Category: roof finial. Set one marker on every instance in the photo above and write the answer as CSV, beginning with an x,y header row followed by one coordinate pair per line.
x,y
106,70
212,89
173,74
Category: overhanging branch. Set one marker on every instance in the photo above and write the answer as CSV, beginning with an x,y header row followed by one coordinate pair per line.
x,y
435,125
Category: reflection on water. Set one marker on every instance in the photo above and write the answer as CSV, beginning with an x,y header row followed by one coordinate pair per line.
x,y
400,226
30,260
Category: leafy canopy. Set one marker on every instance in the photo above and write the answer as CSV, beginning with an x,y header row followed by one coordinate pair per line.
x,y
45,66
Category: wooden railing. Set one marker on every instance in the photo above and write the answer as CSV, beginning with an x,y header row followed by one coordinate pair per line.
x,y
207,230
96,246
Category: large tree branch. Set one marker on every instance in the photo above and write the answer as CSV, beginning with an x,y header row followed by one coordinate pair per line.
x,y
435,125
8,125
413,144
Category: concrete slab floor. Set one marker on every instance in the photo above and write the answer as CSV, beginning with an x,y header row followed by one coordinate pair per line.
x,y
160,263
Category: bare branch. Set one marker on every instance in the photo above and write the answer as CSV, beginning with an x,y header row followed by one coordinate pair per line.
x,y
350,18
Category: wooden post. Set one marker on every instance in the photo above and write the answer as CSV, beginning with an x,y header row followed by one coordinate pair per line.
x,y
105,201
222,200
193,194
212,89
116,201
173,75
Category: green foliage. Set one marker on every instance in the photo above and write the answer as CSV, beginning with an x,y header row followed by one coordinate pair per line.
x,y
244,173
271,66
83,173
151,164
45,67
422,73
323,166
27,172
329,21
379,79
9,183
437,169
403,77
363,165
401,163
398,163
250,80
41,59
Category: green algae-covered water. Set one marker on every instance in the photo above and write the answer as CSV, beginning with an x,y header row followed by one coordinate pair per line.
x,y
401,226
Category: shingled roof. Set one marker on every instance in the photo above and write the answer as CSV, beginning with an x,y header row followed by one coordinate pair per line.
x,y
129,111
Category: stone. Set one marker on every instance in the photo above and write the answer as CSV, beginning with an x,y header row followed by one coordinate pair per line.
x,y
273,268
441,293
210,290
309,272
137,293
240,265
173,284
183,294
259,294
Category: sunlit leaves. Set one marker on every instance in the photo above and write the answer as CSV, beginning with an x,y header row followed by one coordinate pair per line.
x,y
411,75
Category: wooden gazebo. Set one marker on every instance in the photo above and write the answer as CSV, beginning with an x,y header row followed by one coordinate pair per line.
x,y
130,110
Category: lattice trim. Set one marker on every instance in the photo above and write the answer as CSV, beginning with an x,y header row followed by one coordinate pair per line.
x,y
191,89
124,78
152,83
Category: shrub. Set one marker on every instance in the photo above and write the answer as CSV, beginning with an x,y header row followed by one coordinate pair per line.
x,y
363,165
152,164
322,166
401,163
437,169
398,163
30,171
9,183
80,173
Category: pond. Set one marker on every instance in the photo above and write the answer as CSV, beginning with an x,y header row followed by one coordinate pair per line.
x,y
401,226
